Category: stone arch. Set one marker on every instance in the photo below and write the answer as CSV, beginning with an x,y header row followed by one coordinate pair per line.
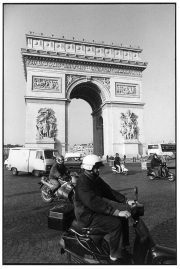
x,y
108,77
91,92
101,90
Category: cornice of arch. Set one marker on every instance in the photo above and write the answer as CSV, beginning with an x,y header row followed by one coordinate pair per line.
x,y
122,67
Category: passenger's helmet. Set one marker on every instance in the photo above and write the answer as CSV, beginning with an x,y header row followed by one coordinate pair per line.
x,y
59,159
90,160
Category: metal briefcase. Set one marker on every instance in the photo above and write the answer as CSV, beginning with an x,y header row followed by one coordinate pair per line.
x,y
60,217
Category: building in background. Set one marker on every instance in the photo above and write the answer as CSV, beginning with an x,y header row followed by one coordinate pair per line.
x,y
84,149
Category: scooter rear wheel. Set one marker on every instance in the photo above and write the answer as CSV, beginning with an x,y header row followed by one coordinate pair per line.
x,y
44,194
151,177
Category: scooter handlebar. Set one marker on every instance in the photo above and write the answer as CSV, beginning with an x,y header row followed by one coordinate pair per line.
x,y
137,210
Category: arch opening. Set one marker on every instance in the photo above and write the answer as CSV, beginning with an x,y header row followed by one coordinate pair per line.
x,y
88,92
91,93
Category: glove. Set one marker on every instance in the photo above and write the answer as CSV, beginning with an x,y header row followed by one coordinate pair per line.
x,y
125,214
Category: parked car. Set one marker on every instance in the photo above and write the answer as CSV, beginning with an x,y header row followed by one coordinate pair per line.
x,y
170,161
73,162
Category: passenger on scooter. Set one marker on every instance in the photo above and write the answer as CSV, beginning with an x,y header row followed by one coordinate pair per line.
x,y
117,162
156,164
93,211
58,170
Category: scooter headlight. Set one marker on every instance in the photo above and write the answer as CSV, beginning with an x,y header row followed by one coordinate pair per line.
x,y
137,210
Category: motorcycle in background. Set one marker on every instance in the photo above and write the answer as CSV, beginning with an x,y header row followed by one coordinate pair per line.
x,y
152,173
120,169
46,185
88,246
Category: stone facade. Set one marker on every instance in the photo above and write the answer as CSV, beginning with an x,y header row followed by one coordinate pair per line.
x,y
108,77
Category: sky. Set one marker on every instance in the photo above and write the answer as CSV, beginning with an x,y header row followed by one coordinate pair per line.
x,y
150,26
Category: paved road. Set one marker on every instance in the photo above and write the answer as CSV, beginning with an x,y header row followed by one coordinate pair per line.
x,y
27,239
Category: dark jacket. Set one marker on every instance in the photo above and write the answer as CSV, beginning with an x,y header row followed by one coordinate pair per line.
x,y
88,199
58,170
155,162
117,161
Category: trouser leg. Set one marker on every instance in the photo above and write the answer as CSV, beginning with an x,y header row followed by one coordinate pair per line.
x,y
55,183
112,226
118,167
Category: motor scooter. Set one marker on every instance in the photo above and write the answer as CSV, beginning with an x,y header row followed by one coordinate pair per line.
x,y
88,245
152,173
120,169
46,186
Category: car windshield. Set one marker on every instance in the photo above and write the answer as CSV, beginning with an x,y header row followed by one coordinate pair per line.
x,y
50,154
73,159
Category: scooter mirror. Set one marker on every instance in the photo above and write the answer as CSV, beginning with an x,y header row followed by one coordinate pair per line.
x,y
136,190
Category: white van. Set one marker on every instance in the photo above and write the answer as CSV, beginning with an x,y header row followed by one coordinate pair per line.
x,y
32,160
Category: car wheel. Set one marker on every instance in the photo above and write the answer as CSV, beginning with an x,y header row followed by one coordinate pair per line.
x,y
14,171
36,173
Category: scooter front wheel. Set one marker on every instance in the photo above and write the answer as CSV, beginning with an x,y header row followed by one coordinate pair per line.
x,y
151,176
171,177
164,172
45,195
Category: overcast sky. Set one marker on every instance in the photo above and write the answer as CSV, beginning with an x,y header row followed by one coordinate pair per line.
x,y
150,26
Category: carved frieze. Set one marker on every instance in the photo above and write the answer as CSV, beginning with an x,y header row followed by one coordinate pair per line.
x,y
82,67
129,125
71,78
122,89
46,84
46,124
104,81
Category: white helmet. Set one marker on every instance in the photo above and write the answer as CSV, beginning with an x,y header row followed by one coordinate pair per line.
x,y
90,160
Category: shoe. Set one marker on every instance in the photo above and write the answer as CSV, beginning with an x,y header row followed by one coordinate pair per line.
x,y
127,254
119,261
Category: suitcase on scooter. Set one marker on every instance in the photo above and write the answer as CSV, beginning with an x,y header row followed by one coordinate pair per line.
x,y
60,217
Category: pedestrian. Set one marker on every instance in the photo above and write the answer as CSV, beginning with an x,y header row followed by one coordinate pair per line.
x,y
93,211
107,158
124,158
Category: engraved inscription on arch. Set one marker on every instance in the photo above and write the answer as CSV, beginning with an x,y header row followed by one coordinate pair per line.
x,y
126,90
46,84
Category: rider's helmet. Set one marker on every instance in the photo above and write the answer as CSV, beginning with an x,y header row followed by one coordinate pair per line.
x,y
59,159
90,160
155,155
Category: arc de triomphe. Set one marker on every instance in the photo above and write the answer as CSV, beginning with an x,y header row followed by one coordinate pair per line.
x,y
107,76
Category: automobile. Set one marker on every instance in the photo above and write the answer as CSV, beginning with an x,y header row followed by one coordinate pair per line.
x,y
171,161
73,164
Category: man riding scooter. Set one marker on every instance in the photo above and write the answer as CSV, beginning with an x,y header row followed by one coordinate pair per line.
x,y
156,164
93,211
58,170
117,162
